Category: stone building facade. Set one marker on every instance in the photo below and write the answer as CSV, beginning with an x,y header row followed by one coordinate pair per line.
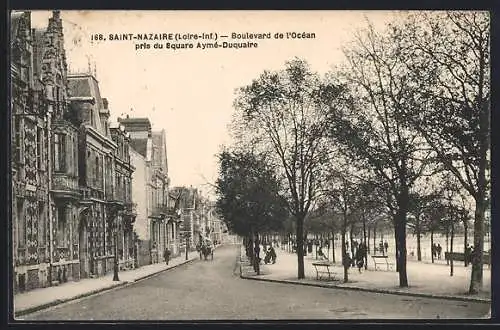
x,y
123,194
107,214
158,229
72,210
30,178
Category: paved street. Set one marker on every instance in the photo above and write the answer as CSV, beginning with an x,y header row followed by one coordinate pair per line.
x,y
213,290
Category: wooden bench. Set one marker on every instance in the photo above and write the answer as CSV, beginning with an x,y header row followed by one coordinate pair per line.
x,y
460,256
380,260
323,268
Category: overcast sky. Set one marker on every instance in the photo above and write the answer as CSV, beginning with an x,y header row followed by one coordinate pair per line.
x,y
189,93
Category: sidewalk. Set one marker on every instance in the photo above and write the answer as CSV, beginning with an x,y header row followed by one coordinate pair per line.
x,y
427,280
38,299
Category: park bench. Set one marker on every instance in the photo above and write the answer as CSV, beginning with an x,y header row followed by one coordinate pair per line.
x,y
323,269
380,260
460,256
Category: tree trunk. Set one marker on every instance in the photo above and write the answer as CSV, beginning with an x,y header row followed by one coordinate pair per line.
x,y
432,245
447,241
451,246
250,248
328,246
333,247
375,239
476,282
300,246
466,242
345,261
256,256
368,241
419,249
401,230
351,240
364,241
316,245
396,242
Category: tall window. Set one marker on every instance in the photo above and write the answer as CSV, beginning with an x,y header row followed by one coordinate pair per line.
x,y
18,139
97,175
61,226
75,155
59,155
42,225
21,224
39,148
70,154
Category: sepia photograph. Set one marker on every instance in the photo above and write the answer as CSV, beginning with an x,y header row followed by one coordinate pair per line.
x,y
250,165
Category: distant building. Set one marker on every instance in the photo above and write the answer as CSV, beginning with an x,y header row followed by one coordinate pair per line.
x,y
150,147
123,194
140,199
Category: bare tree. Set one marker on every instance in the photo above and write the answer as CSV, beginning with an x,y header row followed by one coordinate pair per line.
x,y
372,130
448,56
288,110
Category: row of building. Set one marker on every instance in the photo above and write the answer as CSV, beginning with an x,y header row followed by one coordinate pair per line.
x,y
87,193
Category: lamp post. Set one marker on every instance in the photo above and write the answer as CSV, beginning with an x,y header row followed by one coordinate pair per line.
x,y
114,207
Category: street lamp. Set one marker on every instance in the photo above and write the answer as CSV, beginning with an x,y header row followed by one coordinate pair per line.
x,y
114,207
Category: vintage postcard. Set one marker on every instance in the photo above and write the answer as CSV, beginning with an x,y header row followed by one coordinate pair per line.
x,y
250,165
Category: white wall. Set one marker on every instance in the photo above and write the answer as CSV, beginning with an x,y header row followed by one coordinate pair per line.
x,y
139,194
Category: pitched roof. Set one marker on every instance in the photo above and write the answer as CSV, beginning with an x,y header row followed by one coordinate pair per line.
x,y
136,124
38,50
140,145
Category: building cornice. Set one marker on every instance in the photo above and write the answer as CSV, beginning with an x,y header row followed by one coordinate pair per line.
x,y
101,138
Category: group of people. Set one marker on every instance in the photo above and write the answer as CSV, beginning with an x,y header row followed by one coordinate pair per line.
x,y
270,252
383,247
359,251
436,250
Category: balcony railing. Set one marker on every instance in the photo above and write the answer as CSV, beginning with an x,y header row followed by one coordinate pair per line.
x,y
130,208
159,211
62,181
88,193
63,253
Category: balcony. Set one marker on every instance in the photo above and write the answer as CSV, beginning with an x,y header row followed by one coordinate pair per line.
x,y
89,193
65,186
62,253
130,209
159,211
164,211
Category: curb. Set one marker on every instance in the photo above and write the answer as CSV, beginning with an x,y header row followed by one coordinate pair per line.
x,y
61,301
161,271
56,302
399,293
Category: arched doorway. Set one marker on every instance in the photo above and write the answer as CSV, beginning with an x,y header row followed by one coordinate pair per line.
x,y
83,246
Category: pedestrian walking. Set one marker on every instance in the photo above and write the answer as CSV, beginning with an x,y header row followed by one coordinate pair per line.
x,y
166,255
439,249
468,255
386,246
360,256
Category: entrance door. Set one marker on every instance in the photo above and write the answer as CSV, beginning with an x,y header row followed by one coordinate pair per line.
x,y
83,248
